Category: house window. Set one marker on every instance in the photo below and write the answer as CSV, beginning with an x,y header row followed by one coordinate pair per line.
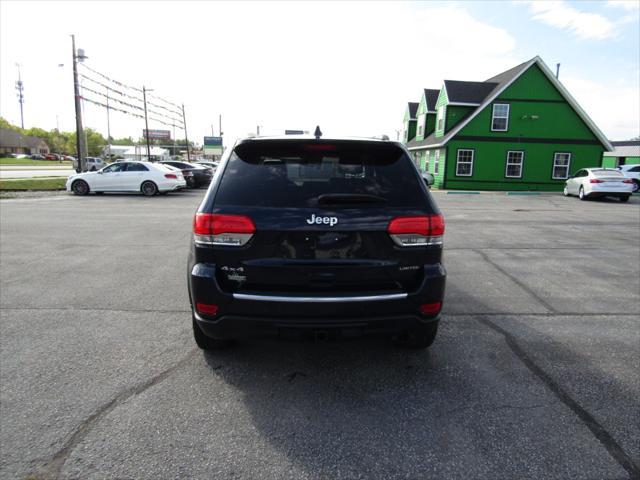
x,y
464,163
514,165
421,124
561,163
500,117
426,163
436,163
441,118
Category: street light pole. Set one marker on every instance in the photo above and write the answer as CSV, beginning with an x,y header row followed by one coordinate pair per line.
x,y
146,123
76,91
20,88
184,121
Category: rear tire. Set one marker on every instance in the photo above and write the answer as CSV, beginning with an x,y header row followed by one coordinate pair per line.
x,y
205,342
625,198
148,189
80,187
636,185
420,337
582,195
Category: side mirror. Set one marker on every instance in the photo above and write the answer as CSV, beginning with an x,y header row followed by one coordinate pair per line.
x,y
428,178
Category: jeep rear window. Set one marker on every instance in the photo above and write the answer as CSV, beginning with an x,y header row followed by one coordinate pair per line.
x,y
296,174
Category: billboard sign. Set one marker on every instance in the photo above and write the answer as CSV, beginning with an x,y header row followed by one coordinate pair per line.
x,y
213,141
157,134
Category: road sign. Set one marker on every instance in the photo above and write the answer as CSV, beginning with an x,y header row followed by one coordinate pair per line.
x,y
213,141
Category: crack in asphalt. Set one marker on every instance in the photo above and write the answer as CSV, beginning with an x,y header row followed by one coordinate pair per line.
x,y
598,431
53,467
515,280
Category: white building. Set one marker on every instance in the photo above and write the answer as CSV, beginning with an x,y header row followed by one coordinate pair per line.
x,y
136,152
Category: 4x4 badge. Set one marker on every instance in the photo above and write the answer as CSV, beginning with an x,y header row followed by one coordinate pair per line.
x,y
331,221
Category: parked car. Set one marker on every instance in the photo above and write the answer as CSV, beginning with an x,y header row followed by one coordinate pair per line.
x,y
143,177
632,172
599,182
177,171
209,164
321,237
196,175
91,164
52,156
36,156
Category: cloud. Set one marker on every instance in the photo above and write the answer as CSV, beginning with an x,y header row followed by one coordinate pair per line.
x,y
628,5
591,26
597,99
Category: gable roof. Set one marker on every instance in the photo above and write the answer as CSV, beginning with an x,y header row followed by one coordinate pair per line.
x,y
413,109
431,96
501,82
11,138
468,93
627,148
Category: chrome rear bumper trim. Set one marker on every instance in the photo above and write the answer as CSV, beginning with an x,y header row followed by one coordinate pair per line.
x,y
276,298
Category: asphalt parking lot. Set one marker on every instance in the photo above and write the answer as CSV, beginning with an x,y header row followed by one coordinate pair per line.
x,y
534,373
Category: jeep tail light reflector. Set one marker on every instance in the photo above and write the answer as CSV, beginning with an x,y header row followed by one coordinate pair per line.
x,y
207,308
417,231
430,308
225,230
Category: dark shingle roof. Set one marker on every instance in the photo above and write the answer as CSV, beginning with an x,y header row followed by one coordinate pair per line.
x,y
413,109
11,138
468,92
626,143
432,98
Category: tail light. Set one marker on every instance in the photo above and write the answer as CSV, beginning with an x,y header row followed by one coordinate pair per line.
x,y
595,180
627,180
228,230
206,308
417,231
430,308
170,176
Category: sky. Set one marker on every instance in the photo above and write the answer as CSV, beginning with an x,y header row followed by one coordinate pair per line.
x,y
350,67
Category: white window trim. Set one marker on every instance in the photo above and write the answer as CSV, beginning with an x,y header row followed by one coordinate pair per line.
x,y
506,167
436,163
473,154
553,169
493,117
421,123
440,118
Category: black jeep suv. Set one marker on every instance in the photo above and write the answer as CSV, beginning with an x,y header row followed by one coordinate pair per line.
x,y
332,238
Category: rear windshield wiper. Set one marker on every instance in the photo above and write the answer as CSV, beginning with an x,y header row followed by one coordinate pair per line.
x,y
348,198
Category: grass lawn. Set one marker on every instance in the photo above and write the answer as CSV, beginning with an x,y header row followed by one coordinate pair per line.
x,y
47,183
28,161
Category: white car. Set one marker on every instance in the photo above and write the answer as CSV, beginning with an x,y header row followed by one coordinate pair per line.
x,y
599,182
91,163
632,172
140,177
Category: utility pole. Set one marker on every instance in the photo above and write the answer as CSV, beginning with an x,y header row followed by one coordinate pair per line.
x,y
184,122
212,134
146,123
20,89
220,126
108,128
76,91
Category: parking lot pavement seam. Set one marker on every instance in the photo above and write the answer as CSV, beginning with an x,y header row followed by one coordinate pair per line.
x,y
598,431
515,280
53,467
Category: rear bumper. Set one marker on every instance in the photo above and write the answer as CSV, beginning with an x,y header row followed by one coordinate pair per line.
x,y
596,191
244,316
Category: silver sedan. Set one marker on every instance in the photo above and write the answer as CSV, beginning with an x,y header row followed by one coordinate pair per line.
x,y
599,182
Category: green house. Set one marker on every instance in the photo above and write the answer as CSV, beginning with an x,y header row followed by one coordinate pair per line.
x,y
409,122
624,153
519,130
